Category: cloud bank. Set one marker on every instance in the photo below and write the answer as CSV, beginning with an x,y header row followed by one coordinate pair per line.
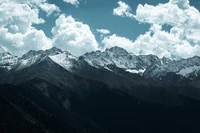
x,y
182,41
17,34
73,35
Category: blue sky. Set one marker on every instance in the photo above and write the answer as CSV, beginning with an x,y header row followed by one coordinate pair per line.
x,y
98,14
139,26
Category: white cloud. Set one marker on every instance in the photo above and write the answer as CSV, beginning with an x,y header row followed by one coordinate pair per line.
x,y
21,15
123,10
114,40
73,2
73,35
17,35
183,4
43,4
182,41
49,8
103,31
155,27
20,43
37,2
167,13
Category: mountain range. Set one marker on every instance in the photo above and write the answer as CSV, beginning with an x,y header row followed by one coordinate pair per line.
x,y
111,91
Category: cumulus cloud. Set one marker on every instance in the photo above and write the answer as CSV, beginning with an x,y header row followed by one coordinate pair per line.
x,y
17,34
43,4
123,10
21,16
73,2
114,40
49,8
103,31
20,43
73,35
182,41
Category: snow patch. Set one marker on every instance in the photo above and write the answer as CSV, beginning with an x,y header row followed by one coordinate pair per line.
x,y
108,69
186,71
140,71
65,60
24,62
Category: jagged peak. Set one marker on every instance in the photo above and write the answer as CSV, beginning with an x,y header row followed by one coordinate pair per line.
x,y
193,58
53,50
6,55
32,53
165,58
92,53
68,52
150,57
116,49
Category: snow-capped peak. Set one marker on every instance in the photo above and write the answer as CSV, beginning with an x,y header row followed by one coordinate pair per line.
x,y
145,65
53,51
64,59
32,53
117,50
121,58
5,54
33,57
7,60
